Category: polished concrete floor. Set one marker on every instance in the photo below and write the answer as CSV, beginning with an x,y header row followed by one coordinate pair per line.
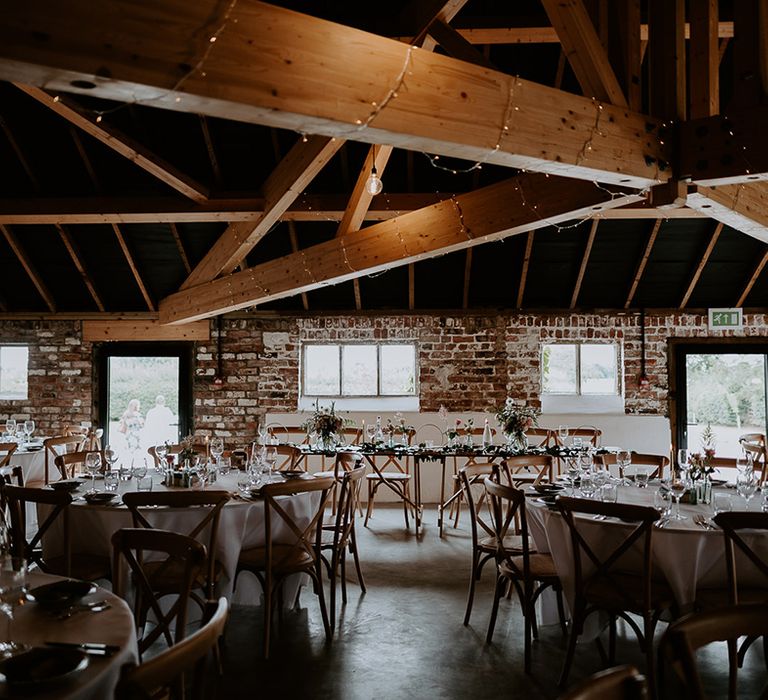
x,y
404,638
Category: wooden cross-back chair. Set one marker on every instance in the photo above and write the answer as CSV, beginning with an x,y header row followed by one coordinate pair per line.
x,y
657,463
529,469
340,535
754,445
539,437
89,567
288,457
161,675
67,464
396,473
12,476
344,462
619,683
131,545
273,562
163,575
60,445
608,586
528,571
8,448
686,636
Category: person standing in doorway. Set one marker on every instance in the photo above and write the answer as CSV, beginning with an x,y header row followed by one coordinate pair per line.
x,y
131,423
158,424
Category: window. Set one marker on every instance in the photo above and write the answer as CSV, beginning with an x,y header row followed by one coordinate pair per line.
x,y
583,369
359,370
14,361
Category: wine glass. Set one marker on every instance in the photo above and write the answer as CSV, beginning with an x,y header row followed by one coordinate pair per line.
x,y
746,485
623,459
562,433
161,452
678,488
92,466
270,458
139,469
217,448
13,591
10,426
683,461
29,428
110,454
744,463
370,432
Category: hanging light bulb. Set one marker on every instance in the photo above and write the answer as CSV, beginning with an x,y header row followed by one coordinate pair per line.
x,y
374,185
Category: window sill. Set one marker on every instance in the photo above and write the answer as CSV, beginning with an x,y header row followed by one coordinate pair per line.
x,y
368,403
551,403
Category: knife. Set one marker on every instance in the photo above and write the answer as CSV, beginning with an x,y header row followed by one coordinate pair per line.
x,y
94,648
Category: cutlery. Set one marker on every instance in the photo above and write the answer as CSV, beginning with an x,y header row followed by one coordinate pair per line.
x,y
96,649
662,523
702,522
94,607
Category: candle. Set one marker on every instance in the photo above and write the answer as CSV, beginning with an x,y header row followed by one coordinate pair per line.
x,y
207,449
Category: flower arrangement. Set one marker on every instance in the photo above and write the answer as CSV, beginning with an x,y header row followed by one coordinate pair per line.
x,y
452,432
515,418
701,462
188,451
399,425
324,421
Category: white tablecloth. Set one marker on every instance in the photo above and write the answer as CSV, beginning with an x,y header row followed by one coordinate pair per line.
x,y
115,626
688,556
32,464
241,526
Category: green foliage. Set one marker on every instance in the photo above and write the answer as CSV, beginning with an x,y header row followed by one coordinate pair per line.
x,y
142,378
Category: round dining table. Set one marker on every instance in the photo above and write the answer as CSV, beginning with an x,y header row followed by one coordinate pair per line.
x,y
241,526
114,626
691,556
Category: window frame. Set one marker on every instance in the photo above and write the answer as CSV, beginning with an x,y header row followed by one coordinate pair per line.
x,y
340,345
17,345
618,375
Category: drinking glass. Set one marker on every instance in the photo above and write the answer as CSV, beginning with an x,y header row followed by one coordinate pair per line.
x,y
577,442
29,428
270,458
562,433
144,483
10,426
111,480
721,503
641,478
370,432
746,485
161,451
678,489
764,498
587,485
110,454
13,591
662,500
225,464
683,461
609,492
217,448
139,469
243,482
744,463
92,466
623,459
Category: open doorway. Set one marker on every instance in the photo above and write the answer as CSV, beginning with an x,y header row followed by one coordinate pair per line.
x,y
722,386
144,395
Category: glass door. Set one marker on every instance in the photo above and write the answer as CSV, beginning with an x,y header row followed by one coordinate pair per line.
x,y
723,387
144,392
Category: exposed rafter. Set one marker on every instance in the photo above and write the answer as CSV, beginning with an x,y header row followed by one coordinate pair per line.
x,y
29,268
484,215
295,248
701,264
179,246
119,142
554,131
704,75
742,207
584,50
642,263
467,278
282,187
134,269
524,270
74,253
752,279
22,158
584,262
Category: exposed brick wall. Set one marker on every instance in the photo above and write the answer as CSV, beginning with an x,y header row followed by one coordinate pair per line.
x,y
467,363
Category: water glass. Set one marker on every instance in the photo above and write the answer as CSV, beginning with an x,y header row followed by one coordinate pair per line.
x,y
111,479
587,486
577,442
746,485
225,464
13,590
609,492
764,498
721,502
662,501
641,478
144,483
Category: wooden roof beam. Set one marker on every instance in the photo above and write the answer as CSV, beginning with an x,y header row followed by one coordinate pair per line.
x,y
584,262
456,45
704,71
119,142
72,249
482,216
29,268
584,50
22,158
283,186
642,263
701,264
179,246
742,207
389,93
752,279
524,270
295,248
360,201
666,54
134,269
467,277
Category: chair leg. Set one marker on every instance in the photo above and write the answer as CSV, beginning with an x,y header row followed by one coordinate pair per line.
x,y
459,498
267,620
569,654
495,609
343,558
369,505
561,611
332,575
472,578
406,493
529,617
353,548
612,641
321,597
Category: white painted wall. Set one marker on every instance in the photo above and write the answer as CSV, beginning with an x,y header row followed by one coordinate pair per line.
x,y
649,434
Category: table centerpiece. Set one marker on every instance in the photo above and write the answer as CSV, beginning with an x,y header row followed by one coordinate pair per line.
x,y
514,419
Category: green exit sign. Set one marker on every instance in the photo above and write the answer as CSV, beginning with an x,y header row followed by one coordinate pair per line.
x,y
722,319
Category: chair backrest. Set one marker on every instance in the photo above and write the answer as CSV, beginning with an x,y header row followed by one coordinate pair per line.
x,y
67,464
605,565
130,545
285,432
8,448
16,499
61,444
208,503
541,466
658,463
305,536
162,672
174,450
287,456
684,637
508,509
619,683
539,437
352,435
429,431
757,451
583,431
479,518
345,462
733,525
344,522
9,475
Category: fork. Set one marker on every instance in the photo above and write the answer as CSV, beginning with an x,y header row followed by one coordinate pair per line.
x,y
702,522
95,607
